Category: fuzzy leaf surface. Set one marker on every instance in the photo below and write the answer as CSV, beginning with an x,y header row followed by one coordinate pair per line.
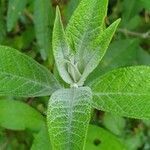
x,y
124,92
84,27
21,76
68,118
60,48
97,49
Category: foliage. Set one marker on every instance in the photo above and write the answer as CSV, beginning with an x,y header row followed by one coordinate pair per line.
x,y
92,92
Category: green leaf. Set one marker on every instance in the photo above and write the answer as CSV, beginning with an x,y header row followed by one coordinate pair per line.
x,y
22,76
60,48
68,117
124,91
41,140
85,26
16,115
15,8
100,139
98,48
43,21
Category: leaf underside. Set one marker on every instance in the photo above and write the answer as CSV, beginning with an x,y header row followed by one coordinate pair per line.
x,y
68,117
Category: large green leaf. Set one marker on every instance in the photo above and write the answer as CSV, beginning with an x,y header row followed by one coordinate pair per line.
x,y
124,91
43,20
100,139
19,116
60,48
68,117
15,8
22,76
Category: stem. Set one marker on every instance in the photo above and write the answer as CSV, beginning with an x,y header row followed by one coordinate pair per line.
x,y
136,34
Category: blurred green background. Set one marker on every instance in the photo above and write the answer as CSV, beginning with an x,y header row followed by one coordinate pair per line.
x,y
27,26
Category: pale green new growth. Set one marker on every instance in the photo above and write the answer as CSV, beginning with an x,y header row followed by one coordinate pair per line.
x,y
87,40
22,76
124,91
68,117
97,49
61,49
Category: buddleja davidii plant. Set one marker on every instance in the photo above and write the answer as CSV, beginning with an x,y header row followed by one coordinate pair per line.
x,y
77,51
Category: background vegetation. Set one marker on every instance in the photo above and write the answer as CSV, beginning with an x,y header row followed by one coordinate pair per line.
x,y
27,26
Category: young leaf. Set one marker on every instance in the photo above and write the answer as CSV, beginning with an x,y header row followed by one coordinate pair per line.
x,y
16,115
69,113
15,8
86,22
60,48
124,91
84,27
22,76
43,20
100,139
98,48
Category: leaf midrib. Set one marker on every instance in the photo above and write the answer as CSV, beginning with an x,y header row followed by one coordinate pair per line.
x,y
26,79
70,116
